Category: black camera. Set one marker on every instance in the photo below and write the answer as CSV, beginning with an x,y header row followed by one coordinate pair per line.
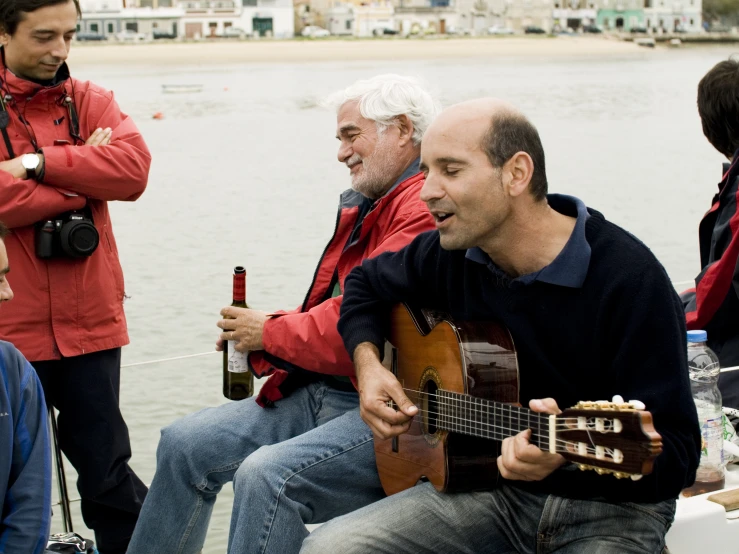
x,y
71,234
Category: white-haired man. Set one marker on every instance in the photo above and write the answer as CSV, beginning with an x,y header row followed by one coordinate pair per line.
x,y
300,452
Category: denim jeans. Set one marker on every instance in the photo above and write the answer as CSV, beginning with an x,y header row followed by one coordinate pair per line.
x,y
306,460
506,520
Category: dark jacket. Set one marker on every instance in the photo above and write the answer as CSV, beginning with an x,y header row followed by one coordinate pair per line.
x,y
620,331
713,305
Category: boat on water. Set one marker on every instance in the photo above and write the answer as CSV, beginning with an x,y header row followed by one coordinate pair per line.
x,y
175,89
646,42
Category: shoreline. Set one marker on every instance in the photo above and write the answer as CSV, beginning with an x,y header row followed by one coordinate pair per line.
x,y
276,51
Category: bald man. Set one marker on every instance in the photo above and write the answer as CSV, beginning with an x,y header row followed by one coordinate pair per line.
x,y
592,314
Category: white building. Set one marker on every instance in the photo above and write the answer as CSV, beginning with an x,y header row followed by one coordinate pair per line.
x,y
476,16
673,15
360,20
108,17
574,14
211,18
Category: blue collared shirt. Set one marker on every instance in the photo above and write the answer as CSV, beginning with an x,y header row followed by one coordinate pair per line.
x,y
570,266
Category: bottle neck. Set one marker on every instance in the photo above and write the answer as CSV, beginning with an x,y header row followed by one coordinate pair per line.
x,y
239,287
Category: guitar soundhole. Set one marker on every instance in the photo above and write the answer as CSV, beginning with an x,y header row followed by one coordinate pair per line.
x,y
430,407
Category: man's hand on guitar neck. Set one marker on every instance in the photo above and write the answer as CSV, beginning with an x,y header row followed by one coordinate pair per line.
x,y
377,386
522,461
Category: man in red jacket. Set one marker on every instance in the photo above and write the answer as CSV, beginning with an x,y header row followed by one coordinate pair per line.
x,y
300,453
67,150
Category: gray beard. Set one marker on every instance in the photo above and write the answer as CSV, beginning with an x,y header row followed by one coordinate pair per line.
x,y
376,167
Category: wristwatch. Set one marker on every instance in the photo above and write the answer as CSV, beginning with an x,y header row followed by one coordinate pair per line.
x,y
31,162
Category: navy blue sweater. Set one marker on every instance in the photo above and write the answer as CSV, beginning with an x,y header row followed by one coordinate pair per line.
x,y
622,331
25,460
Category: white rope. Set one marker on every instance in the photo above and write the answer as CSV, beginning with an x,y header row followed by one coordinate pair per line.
x,y
675,284
171,359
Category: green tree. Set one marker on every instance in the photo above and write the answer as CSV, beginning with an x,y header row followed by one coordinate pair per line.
x,y
726,11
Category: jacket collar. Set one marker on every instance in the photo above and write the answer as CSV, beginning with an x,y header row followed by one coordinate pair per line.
x,y
380,204
17,86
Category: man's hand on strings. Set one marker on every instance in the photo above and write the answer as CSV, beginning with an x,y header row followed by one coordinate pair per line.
x,y
522,461
377,386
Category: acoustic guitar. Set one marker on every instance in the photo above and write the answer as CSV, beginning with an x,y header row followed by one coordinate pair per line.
x,y
463,376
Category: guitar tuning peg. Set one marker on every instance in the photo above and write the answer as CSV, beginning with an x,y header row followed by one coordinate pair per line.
x,y
636,476
617,399
637,404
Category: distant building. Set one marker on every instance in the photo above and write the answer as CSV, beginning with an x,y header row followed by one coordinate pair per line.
x,y
621,15
213,18
417,17
145,17
366,20
574,14
673,15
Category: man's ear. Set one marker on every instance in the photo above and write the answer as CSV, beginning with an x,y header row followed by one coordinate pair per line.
x,y
520,167
405,126
4,37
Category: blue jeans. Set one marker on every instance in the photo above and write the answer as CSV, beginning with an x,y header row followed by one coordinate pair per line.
x,y
506,520
306,460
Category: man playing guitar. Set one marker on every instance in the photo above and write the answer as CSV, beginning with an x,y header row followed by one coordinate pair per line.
x,y
592,314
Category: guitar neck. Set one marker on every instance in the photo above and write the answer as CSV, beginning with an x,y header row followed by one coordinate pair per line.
x,y
478,417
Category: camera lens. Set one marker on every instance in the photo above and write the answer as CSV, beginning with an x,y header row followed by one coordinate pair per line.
x,y
79,238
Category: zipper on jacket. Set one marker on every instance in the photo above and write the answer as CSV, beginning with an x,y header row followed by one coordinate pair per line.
x,y
320,260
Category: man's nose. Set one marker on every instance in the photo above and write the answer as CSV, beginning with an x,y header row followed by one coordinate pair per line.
x,y
60,50
6,293
431,189
345,152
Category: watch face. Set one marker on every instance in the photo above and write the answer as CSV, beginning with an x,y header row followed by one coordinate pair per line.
x,y
30,161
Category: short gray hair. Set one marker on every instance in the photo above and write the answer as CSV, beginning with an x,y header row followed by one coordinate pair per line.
x,y
385,97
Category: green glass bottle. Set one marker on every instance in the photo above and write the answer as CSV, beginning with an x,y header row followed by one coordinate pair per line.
x,y
238,381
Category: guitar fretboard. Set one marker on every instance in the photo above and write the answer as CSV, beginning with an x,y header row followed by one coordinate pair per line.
x,y
469,415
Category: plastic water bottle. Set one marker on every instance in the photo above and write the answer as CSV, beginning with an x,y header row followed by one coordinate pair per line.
x,y
704,368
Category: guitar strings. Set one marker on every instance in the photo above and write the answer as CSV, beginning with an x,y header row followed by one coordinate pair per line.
x,y
467,424
570,446
515,412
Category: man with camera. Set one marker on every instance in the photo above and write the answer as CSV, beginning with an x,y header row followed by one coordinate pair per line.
x,y
66,151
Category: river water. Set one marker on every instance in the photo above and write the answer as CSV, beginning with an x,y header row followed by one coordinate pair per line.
x,y
245,173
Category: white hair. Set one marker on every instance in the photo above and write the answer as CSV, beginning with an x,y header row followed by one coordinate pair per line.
x,y
385,97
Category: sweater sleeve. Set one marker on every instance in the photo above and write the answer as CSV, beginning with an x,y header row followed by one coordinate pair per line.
x,y
310,339
646,341
26,514
116,171
373,288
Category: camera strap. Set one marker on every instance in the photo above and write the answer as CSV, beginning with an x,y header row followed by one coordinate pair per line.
x,y
74,121
4,121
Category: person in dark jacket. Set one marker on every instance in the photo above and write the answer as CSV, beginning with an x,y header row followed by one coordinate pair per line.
x,y
25,459
299,453
592,314
713,305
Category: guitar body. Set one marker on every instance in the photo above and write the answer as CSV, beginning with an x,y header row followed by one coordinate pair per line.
x,y
429,351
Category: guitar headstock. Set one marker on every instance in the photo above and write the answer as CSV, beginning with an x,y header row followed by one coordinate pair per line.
x,y
609,437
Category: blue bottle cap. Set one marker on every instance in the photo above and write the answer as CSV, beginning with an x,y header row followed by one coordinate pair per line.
x,y
697,336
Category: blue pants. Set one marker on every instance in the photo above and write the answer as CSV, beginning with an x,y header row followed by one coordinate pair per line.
x,y
506,520
306,460
94,436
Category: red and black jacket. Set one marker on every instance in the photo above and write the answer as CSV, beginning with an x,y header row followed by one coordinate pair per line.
x,y
713,305
303,343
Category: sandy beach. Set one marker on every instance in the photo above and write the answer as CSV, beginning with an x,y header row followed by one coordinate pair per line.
x,y
252,51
